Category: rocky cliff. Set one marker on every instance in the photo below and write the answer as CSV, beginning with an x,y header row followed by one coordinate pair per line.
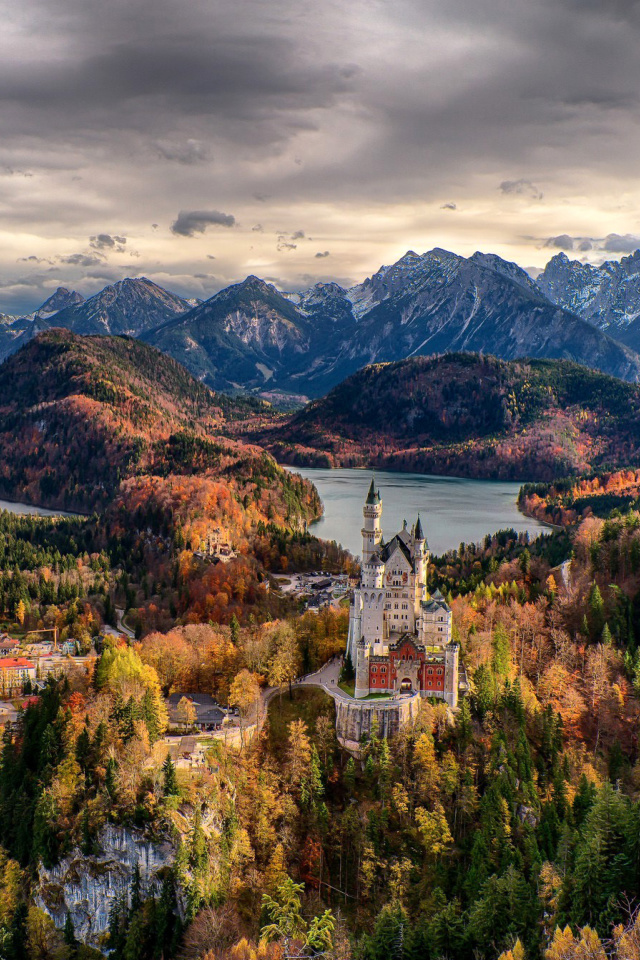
x,y
86,887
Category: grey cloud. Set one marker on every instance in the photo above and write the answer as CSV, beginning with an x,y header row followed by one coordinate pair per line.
x,y
10,172
521,188
187,153
325,253
563,242
34,259
297,235
104,241
190,222
449,206
614,243
210,256
258,228
80,260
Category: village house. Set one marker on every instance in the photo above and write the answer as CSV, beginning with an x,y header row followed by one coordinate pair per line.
x,y
194,710
14,672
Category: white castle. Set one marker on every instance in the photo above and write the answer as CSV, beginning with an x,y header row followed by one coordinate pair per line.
x,y
399,634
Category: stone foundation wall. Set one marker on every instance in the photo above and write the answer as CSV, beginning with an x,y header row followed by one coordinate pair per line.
x,y
357,718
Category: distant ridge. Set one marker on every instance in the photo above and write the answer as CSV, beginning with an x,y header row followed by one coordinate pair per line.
x,y
467,415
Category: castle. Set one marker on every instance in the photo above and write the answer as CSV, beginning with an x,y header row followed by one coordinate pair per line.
x,y
399,635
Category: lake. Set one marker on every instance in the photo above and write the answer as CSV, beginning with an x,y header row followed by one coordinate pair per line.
x,y
452,510
28,508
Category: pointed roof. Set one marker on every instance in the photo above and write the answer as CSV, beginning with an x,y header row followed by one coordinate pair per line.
x,y
418,535
373,496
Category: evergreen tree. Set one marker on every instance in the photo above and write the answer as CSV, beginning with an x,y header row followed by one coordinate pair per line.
x,y
171,788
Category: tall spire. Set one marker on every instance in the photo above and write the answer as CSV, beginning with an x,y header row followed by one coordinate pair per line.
x,y
418,535
373,496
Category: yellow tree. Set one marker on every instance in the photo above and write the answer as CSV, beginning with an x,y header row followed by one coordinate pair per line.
x,y
433,831
244,694
425,767
298,752
516,953
186,712
584,946
284,664
21,612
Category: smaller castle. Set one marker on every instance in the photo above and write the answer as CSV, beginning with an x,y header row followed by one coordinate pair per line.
x,y
399,634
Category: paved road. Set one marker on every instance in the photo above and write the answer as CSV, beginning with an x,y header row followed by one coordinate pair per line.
x,y
120,629
327,678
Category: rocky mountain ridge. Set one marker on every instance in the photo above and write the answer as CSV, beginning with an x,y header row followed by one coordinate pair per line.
x,y
253,336
607,296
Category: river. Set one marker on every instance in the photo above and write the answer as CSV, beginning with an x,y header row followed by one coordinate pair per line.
x,y
452,510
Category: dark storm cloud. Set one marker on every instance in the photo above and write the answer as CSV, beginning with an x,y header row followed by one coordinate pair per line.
x,y
190,222
187,153
129,111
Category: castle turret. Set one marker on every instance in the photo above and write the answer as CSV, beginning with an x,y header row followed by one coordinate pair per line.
x,y
371,531
421,554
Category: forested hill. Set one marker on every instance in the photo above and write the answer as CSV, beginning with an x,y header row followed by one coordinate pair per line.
x,y
468,415
80,414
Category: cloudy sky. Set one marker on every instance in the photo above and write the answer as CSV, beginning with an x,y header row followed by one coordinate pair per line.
x,y
198,141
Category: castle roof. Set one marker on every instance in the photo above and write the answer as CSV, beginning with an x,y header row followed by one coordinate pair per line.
x,y
374,495
435,602
418,535
401,542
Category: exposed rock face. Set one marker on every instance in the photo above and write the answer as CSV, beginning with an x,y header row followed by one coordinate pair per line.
x,y
607,296
128,307
59,300
86,887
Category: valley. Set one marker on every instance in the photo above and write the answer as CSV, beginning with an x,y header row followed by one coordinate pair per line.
x,y
184,758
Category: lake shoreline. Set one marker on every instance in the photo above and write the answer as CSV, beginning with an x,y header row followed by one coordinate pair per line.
x,y
454,509
37,510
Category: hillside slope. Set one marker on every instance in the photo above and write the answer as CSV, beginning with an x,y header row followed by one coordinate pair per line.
x,y
467,415
79,415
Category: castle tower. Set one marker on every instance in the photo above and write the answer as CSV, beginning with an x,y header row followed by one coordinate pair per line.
x,y
371,531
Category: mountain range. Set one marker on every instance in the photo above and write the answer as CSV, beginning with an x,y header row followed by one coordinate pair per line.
x,y
252,336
